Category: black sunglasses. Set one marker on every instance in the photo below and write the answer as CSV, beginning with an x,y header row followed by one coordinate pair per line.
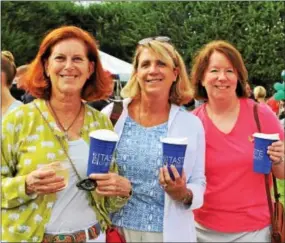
x,y
86,185
157,38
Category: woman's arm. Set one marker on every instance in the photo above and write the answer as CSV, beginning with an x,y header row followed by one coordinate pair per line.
x,y
13,193
197,181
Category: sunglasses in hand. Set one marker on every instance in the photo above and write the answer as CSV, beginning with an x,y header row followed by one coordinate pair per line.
x,y
86,184
157,38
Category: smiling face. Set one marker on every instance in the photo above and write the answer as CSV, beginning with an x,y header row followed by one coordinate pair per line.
x,y
68,67
155,76
220,78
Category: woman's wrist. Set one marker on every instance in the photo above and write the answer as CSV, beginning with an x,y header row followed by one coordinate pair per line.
x,y
29,190
281,161
130,193
187,197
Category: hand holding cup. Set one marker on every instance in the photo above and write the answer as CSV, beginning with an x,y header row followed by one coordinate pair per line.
x,y
102,146
276,152
112,184
176,188
46,179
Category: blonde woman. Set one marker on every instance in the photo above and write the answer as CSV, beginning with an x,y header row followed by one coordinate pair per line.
x,y
160,209
259,93
8,72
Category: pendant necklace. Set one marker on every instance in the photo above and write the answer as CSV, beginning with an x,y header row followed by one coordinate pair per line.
x,y
65,130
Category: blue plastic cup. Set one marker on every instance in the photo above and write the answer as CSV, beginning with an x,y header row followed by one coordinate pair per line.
x,y
173,151
102,146
261,161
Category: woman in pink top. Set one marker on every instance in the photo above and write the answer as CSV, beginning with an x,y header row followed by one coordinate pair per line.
x,y
235,205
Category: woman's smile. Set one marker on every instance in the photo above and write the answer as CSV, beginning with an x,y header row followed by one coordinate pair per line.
x,y
156,80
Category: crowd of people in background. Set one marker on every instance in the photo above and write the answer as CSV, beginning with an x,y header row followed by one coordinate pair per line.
x,y
217,197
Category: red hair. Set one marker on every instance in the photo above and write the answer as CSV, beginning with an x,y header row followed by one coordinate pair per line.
x,y
38,84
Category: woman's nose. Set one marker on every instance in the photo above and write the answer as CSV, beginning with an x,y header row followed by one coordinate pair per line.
x,y
153,68
222,75
69,64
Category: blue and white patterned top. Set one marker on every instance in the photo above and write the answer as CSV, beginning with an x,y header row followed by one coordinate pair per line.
x,y
139,157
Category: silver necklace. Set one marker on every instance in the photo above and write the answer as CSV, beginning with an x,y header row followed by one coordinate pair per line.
x,y
65,130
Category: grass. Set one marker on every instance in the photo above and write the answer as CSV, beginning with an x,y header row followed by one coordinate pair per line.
x,y
281,188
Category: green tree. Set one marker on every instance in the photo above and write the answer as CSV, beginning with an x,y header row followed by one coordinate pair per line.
x,y
255,28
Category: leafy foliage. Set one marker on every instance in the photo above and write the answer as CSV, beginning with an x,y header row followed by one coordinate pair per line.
x,y
255,28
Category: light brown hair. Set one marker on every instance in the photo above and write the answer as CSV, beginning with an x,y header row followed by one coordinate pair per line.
x,y
201,62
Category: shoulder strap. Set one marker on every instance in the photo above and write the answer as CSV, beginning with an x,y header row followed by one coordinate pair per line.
x,y
116,112
266,176
256,118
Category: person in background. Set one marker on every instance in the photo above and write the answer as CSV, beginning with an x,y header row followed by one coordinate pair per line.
x,y
190,105
8,72
273,104
17,89
36,204
26,97
259,93
281,115
235,206
160,209
248,91
18,78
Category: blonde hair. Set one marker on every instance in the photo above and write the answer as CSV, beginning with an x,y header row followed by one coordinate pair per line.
x,y
180,92
259,92
8,66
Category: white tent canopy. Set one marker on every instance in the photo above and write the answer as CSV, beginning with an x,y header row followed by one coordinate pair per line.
x,y
116,66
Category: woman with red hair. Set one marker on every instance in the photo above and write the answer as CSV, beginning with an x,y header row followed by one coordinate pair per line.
x,y
38,205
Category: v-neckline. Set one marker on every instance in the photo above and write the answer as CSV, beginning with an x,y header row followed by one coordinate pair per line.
x,y
234,126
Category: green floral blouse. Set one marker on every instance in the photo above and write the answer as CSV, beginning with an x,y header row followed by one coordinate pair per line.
x,y
27,141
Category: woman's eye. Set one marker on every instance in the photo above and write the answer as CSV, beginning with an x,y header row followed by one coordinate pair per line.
x,y
77,59
230,71
160,63
144,64
213,70
59,58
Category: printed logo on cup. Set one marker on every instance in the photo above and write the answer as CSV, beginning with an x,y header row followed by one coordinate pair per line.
x,y
102,146
258,154
176,161
101,159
